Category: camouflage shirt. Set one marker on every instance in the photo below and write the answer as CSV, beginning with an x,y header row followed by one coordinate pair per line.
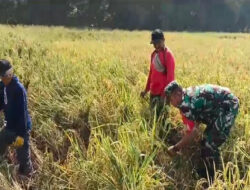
x,y
206,102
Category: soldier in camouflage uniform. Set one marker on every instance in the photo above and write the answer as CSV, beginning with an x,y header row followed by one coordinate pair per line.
x,y
212,105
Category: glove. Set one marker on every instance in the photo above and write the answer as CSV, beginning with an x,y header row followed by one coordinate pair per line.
x,y
18,142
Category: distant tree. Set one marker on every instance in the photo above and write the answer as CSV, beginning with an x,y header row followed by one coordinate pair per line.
x,y
219,15
244,16
7,14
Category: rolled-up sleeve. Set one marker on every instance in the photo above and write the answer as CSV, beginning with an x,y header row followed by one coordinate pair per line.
x,y
189,123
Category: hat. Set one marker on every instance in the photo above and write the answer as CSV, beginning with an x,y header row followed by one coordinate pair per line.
x,y
4,67
156,36
171,87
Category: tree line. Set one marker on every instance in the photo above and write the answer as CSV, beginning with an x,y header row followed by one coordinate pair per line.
x,y
179,15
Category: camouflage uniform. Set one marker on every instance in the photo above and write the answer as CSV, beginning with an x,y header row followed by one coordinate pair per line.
x,y
216,107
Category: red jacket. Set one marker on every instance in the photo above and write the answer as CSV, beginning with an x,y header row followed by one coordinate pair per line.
x,y
189,124
159,77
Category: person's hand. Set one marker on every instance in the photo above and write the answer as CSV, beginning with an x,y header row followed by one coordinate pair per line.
x,y
18,142
184,131
143,94
172,151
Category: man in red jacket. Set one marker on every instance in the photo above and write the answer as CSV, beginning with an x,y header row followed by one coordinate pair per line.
x,y
161,72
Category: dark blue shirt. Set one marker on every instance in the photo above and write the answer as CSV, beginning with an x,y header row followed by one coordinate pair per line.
x,y
13,101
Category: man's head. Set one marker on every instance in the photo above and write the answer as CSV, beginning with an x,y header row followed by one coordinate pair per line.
x,y
157,39
6,71
174,92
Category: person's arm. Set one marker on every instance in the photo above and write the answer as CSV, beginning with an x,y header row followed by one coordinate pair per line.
x,y
149,80
170,64
186,140
188,123
1,97
20,115
147,88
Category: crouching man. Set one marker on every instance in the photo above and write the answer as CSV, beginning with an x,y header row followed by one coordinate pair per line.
x,y
212,105
16,132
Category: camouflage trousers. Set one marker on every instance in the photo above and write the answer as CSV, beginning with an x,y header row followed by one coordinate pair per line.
x,y
216,134
7,137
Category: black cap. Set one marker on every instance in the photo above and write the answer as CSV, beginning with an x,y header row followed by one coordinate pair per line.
x,y
156,36
4,66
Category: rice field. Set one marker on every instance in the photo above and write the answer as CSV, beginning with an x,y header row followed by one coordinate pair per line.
x,y
81,79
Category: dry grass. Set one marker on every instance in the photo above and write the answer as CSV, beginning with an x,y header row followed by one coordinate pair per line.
x,y
75,73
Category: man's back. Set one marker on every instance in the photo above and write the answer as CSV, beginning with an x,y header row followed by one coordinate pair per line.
x,y
203,103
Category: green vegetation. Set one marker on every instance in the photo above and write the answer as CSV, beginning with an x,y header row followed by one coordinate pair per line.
x,y
78,77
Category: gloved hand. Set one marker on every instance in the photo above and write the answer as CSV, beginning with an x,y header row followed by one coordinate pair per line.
x,y
18,142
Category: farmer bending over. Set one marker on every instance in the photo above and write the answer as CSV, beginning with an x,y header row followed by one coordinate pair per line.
x,y
212,105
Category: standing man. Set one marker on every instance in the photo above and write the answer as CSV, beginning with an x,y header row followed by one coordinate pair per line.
x,y
16,132
212,105
161,72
